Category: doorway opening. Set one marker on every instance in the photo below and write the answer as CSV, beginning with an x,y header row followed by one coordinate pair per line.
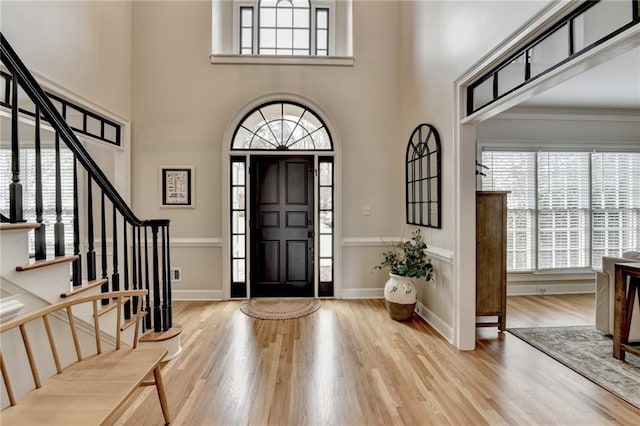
x,y
281,205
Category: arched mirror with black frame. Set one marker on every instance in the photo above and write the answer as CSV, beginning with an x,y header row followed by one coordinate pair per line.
x,y
423,177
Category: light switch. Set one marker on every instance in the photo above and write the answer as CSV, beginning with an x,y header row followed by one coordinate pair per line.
x,y
365,210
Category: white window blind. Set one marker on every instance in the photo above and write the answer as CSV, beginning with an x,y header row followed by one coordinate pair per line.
x,y
615,204
567,209
563,210
28,181
515,172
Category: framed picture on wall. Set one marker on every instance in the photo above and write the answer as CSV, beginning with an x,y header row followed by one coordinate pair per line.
x,y
177,186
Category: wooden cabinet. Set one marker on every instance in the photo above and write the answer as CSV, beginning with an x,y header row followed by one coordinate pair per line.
x,y
491,258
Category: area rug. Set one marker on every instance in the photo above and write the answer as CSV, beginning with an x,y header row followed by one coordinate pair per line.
x,y
279,309
588,352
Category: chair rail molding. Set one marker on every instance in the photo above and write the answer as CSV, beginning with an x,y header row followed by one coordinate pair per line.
x,y
438,253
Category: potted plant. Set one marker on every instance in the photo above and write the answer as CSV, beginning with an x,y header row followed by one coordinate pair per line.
x,y
405,260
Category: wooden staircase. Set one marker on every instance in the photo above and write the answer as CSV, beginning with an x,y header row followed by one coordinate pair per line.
x,y
112,249
48,281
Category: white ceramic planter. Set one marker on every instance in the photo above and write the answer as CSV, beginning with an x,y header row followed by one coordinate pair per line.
x,y
400,297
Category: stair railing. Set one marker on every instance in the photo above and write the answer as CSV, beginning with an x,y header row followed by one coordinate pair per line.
x,y
146,260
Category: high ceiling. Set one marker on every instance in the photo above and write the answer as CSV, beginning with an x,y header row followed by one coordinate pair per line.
x,y
615,84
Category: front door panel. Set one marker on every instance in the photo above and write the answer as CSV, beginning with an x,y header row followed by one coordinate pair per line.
x,y
282,226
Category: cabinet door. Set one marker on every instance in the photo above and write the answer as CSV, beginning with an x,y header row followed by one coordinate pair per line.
x,y
490,253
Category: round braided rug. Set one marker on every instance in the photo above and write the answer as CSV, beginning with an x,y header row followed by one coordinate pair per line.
x,y
279,309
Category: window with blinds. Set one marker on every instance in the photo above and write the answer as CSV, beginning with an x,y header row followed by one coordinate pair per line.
x,y
28,181
516,172
566,209
563,210
615,203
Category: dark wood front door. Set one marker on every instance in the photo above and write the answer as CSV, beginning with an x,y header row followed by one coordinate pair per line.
x,y
282,226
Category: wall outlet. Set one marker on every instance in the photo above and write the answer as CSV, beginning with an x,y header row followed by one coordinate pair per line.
x,y
176,274
541,290
365,210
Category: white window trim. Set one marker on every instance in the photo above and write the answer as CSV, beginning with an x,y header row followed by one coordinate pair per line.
x,y
236,25
256,59
282,60
330,5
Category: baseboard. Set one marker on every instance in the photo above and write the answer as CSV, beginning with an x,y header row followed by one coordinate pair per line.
x,y
191,295
362,293
435,321
542,289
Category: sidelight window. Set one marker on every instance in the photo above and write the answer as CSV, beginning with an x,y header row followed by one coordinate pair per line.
x,y
325,212
238,227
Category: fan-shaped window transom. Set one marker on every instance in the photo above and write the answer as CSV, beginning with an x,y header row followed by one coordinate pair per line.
x,y
282,126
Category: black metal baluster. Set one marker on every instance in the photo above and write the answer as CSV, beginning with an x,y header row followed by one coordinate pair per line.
x,y
146,268
140,282
77,264
115,276
7,88
58,227
165,281
125,267
572,46
103,248
169,313
157,311
15,187
40,235
91,254
134,268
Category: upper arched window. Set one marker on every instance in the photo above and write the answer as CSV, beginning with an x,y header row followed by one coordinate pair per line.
x,y
282,125
284,27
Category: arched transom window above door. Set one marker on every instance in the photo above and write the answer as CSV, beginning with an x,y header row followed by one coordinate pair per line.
x,y
282,126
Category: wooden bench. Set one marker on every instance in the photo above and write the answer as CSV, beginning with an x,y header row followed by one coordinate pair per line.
x,y
91,390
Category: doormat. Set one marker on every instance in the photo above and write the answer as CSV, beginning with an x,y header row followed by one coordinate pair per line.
x,y
589,353
279,309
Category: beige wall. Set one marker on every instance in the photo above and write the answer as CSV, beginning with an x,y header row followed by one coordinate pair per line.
x,y
149,61
83,46
82,51
182,105
441,40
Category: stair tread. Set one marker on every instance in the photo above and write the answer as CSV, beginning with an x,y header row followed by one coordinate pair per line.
x,y
17,226
84,287
159,336
46,262
128,323
111,305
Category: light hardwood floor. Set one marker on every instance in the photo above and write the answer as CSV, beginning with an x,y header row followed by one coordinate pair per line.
x,y
551,311
349,364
